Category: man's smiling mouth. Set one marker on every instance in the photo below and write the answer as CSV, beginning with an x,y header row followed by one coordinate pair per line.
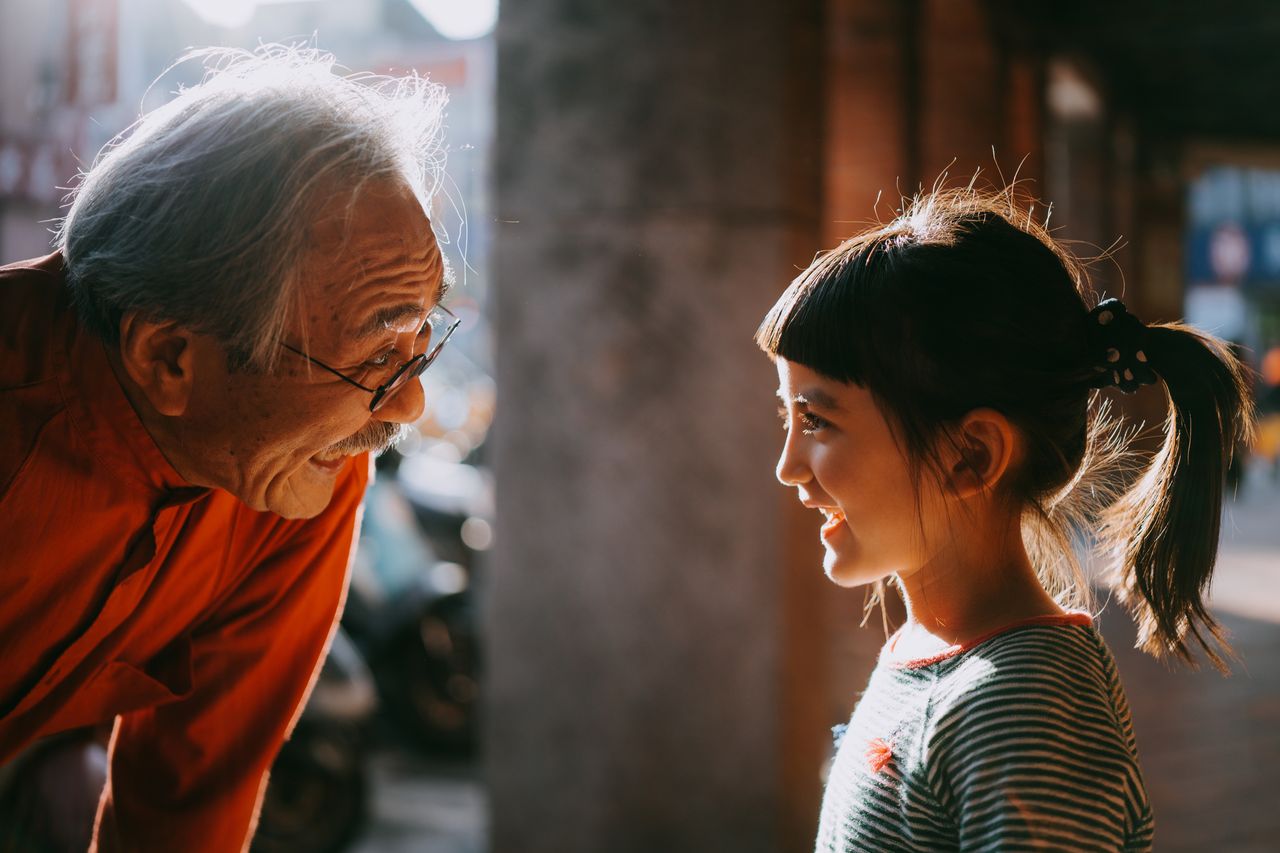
x,y
329,460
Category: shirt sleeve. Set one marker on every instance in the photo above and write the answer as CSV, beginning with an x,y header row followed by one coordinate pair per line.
x,y
190,774
1034,757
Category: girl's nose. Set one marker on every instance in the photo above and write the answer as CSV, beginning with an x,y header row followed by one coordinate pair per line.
x,y
792,470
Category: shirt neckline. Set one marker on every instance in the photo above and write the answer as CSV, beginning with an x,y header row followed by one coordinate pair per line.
x,y
1072,617
100,410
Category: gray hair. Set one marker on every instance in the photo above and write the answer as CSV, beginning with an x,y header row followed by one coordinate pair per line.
x,y
200,212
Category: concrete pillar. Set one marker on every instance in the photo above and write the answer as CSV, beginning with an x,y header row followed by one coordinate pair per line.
x,y
872,107
657,184
961,99
1159,235
1080,160
981,93
919,87
1022,81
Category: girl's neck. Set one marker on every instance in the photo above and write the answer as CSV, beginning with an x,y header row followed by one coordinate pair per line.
x,y
972,590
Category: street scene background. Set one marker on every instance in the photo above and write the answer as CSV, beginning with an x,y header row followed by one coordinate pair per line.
x,y
583,617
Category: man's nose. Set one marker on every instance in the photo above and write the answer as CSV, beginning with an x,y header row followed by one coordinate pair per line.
x,y
405,404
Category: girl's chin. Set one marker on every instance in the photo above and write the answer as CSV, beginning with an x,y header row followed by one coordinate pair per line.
x,y
846,573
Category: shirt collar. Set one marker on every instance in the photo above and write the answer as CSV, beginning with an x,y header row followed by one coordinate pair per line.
x,y
105,419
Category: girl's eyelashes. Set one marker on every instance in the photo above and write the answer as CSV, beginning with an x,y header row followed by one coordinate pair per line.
x,y
813,423
809,422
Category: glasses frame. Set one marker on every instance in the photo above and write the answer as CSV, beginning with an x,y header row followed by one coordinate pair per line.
x,y
411,369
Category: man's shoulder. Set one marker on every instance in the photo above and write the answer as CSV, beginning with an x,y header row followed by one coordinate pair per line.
x,y
33,297
48,265
33,280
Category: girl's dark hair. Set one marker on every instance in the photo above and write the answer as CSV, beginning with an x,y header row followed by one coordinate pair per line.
x,y
964,302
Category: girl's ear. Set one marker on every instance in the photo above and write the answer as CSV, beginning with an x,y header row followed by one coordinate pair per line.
x,y
982,450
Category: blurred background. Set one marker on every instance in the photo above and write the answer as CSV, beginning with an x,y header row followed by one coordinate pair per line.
x,y
596,623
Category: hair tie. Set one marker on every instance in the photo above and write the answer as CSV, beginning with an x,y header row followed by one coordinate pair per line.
x,y
1118,339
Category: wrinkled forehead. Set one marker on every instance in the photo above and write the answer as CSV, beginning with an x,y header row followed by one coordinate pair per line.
x,y
368,250
378,218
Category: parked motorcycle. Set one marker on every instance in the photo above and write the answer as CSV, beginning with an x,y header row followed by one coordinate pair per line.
x,y
412,614
408,648
317,797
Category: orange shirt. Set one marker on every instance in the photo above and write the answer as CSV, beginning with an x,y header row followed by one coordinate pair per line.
x,y
124,591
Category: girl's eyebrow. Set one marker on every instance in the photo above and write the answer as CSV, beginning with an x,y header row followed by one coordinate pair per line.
x,y
815,398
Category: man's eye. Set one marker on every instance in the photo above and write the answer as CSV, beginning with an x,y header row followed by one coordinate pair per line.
x,y
381,360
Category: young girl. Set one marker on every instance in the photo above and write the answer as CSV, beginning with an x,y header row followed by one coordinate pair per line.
x,y
939,378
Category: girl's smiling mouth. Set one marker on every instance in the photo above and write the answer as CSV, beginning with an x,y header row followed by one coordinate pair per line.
x,y
834,521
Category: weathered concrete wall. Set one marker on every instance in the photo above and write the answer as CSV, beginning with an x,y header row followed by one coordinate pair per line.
x,y
656,186
872,105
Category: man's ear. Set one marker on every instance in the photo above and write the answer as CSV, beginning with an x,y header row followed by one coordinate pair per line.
x,y
160,359
984,445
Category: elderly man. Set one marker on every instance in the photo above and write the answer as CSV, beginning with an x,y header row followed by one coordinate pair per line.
x,y
245,290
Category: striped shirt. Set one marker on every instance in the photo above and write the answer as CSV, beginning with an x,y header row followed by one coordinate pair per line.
x,y
1020,740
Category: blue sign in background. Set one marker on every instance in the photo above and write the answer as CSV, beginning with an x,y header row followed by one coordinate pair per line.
x,y
1264,255
1247,199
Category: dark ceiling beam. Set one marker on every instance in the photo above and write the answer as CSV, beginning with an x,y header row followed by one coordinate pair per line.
x,y
1183,69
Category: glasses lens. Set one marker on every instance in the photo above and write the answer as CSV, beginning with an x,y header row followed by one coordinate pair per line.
x,y
440,325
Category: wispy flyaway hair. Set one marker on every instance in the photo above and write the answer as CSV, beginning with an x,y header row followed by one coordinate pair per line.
x,y
964,301
200,212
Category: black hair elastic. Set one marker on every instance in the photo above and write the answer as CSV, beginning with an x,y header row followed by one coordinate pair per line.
x,y
1118,338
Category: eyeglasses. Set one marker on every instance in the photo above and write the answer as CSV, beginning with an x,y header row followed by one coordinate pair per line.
x,y
441,324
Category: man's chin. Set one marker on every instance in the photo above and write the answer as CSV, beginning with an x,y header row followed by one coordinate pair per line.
x,y
306,491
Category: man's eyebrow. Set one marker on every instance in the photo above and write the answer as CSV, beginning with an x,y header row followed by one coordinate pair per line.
x,y
382,319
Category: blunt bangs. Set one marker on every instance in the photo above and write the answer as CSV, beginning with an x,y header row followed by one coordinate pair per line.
x,y
824,320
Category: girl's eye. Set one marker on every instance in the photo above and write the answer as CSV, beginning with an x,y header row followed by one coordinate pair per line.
x,y
809,422
812,423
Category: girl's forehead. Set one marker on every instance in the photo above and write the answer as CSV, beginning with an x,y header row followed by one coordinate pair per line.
x,y
795,378
805,386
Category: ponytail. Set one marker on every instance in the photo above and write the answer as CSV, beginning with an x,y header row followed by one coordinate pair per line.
x,y
1166,526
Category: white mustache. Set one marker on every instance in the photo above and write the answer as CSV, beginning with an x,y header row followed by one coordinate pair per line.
x,y
379,436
